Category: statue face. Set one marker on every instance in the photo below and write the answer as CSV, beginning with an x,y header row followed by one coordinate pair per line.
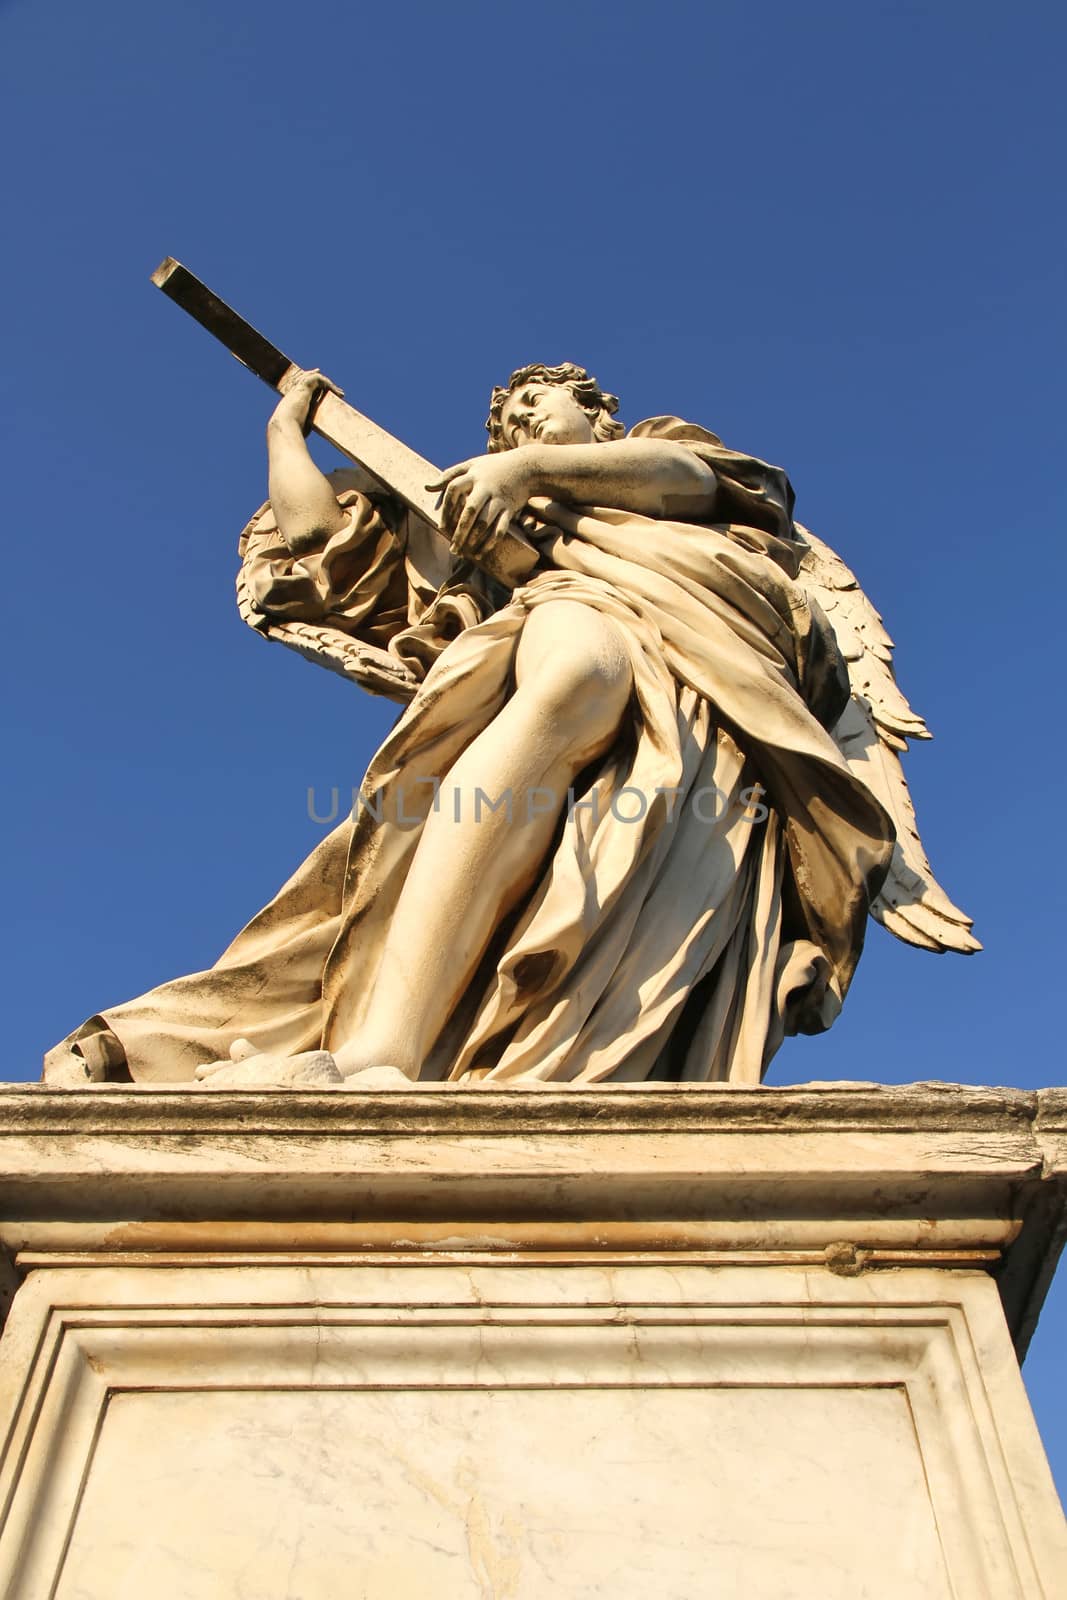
x,y
544,413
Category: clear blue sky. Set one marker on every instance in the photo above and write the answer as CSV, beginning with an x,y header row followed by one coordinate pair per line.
x,y
831,232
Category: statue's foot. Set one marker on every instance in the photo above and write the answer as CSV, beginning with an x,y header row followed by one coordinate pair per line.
x,y
371,1079
249,1068
365,1062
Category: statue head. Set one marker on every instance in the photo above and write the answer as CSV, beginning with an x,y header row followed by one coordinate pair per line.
x,y
527,408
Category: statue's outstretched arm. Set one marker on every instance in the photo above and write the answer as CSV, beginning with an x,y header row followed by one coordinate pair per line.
x,y
302,498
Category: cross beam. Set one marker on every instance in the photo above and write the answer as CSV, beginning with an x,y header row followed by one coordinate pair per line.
x,y
399,469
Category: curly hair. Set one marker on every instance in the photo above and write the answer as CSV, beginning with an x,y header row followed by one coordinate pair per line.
x,y
598,405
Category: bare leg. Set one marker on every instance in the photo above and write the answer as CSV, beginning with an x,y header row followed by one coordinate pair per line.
x,y
573,684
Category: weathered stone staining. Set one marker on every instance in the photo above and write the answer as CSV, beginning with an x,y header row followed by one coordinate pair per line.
x,y
656,1329
683,1341
642,800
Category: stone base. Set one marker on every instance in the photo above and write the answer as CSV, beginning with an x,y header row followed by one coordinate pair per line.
x,y
746,1345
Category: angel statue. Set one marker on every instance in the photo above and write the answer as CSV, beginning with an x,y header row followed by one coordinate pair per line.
x,y
639,806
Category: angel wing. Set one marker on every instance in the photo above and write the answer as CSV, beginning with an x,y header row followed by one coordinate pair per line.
x,y
372,668
872,734
365,664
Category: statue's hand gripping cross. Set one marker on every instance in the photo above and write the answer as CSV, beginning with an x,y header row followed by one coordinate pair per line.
x,y
396,467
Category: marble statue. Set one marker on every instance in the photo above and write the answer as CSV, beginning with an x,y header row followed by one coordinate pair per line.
x,y
638,809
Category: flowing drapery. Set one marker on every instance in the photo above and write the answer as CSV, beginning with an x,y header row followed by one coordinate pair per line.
x,y
708,886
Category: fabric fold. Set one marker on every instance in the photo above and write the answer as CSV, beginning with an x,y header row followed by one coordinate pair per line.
x,y
707,890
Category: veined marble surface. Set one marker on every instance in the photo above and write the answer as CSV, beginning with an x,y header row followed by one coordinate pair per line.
x,y
748,1345
524,1493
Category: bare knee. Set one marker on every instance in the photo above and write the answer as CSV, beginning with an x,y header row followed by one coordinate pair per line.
x,y
573,670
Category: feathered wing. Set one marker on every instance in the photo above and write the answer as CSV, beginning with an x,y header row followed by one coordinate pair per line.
x,y
372,668
368,665
872,733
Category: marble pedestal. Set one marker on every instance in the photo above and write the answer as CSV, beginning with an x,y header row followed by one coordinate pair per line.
x,y
742,1344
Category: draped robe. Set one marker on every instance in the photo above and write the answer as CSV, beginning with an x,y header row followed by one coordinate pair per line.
x,y
708,885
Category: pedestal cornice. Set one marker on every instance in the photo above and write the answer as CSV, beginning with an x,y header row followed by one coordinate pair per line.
x,y
860,1177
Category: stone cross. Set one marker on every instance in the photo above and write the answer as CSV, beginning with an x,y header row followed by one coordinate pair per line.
x,y
397,467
